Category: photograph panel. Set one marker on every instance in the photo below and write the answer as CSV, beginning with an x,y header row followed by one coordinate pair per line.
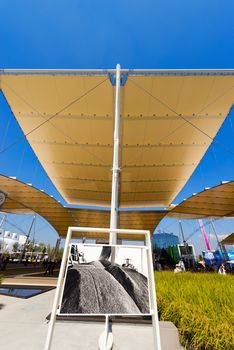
x,y
104,279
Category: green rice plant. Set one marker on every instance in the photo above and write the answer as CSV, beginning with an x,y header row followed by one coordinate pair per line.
x,y
200,305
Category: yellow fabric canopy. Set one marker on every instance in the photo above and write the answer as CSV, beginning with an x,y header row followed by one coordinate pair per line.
x,y
214,202
168,120
25,199
229,240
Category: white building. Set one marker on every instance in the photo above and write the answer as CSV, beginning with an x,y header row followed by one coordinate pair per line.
x,y
8,239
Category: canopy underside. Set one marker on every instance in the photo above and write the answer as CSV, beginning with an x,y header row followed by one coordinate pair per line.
x,y
25,199
229,240
214,202
167,124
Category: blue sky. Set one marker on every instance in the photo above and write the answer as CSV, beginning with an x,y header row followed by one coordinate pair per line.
x,y
99,34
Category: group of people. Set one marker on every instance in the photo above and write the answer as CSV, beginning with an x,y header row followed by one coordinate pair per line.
x,y
49,265
3,262
198,267
180,267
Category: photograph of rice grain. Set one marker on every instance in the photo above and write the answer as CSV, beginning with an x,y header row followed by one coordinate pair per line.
x,y
94,284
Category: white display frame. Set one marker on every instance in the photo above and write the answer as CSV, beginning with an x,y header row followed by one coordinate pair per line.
x,y
102,314
151,282
112,232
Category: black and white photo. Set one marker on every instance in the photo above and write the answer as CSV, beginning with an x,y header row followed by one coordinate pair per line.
x,y
104,279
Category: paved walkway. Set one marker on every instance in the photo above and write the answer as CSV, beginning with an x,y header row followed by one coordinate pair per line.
x,y
19,269
29,280
28,275
23,326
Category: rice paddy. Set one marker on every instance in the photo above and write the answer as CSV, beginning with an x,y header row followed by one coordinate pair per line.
x,y
200,305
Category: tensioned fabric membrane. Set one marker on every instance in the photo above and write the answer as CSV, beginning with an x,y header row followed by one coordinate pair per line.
x,y
25,199
216,202
168,120
229,240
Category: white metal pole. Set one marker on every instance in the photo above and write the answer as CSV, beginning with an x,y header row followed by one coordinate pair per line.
x,y
221,246
116,168
152,295
3,226
58,291
105,338
98,72
2,221
27,238
115,181
142,264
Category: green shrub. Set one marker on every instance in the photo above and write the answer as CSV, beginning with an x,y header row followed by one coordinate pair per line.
x,y
200,305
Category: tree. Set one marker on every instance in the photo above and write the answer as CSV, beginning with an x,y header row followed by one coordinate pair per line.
x,y
59,254
15,247
30,246
52,254
50,251
41,247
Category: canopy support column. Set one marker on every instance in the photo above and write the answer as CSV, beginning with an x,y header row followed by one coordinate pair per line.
x,y
107,336
115,169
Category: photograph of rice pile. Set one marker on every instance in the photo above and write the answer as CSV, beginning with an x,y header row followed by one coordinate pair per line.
x,y
94,284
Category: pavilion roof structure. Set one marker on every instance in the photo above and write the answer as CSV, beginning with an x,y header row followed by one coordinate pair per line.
x,y
215,202
23,198
168,120
229,240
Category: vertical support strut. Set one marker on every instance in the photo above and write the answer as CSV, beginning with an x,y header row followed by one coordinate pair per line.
x,y
114,191
116,168
203,231
3,226
152,294
221,246
27,238
182,232
58,291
